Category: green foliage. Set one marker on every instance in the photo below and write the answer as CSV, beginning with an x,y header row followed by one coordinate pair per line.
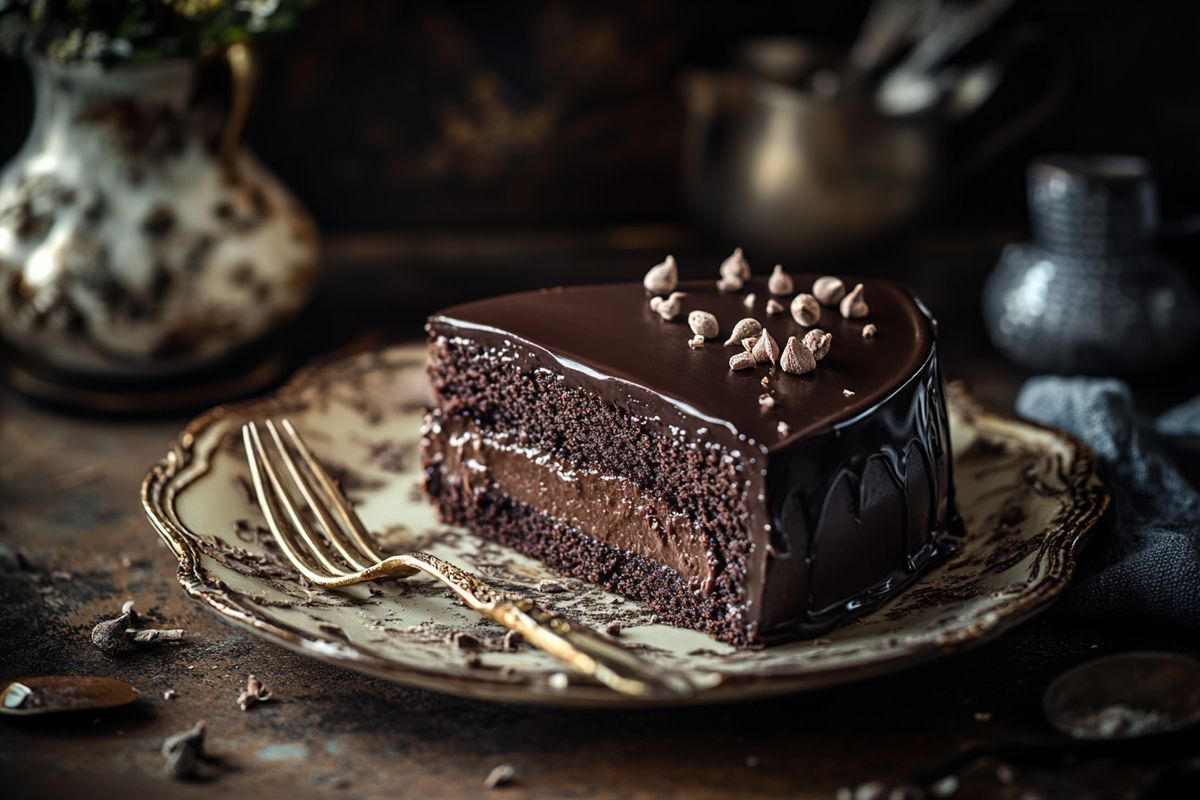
x,y
138,30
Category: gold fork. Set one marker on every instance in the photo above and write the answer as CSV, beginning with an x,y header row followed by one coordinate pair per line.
x,y
345,555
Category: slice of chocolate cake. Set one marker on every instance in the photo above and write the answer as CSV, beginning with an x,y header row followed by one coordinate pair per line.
x,y
655,452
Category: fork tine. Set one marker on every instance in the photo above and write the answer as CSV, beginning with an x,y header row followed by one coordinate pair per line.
x,y
358,531
315,546
270,509
306,488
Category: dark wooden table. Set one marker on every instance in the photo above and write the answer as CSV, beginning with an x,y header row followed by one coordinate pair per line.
x,y
68,503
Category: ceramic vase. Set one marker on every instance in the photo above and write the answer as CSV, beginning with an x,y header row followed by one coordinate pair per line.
x,y
135,241
1090,294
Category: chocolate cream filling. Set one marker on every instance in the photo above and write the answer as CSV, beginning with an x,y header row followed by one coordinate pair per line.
x,y
610,509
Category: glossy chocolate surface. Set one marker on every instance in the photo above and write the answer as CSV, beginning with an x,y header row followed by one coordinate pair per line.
x,y
611,331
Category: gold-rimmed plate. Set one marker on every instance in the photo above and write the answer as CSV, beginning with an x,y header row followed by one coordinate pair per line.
x,y
1028,494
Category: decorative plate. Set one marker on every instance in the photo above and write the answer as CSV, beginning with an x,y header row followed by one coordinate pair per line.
x,y
1029,496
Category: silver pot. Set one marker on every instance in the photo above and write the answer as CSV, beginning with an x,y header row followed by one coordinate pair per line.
x,y
770,164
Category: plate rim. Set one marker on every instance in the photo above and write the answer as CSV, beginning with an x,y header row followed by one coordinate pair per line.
x,y
159,487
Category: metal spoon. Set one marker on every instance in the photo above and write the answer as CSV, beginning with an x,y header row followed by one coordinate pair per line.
x,y
50,694
1125,696
1100,706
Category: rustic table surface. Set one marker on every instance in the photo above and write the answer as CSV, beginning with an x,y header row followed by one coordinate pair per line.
x,y
69,506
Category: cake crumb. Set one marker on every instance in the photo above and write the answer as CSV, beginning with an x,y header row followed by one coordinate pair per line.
x,y
766,401
783,429
847,393
869,330
696,342
464,641
766,381
502,775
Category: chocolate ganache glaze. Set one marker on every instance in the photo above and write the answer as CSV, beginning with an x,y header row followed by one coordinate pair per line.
x,y
842,486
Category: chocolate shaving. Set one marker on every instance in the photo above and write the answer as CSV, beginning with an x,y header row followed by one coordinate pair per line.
x,y
819,342
183,751
828,290
736,266
744,329
853,306
667,308
662,278
703,324
502,775
741,361
766,349
122,634
254,693
797,359
806,310
780,282
729,284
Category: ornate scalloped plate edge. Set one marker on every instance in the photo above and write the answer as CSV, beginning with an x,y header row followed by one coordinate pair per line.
x,y
1032,496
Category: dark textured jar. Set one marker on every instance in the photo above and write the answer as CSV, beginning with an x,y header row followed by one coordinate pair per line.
x,y
1090,294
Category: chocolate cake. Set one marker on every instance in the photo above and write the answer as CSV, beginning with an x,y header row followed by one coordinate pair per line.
x,y
630,443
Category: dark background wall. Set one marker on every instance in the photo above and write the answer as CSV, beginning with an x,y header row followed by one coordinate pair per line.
x,y
385,115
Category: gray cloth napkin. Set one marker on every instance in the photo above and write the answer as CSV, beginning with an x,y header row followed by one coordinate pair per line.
x,y
1146,566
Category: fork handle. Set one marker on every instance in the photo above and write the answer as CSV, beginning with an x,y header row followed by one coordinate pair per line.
x,y
579,647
